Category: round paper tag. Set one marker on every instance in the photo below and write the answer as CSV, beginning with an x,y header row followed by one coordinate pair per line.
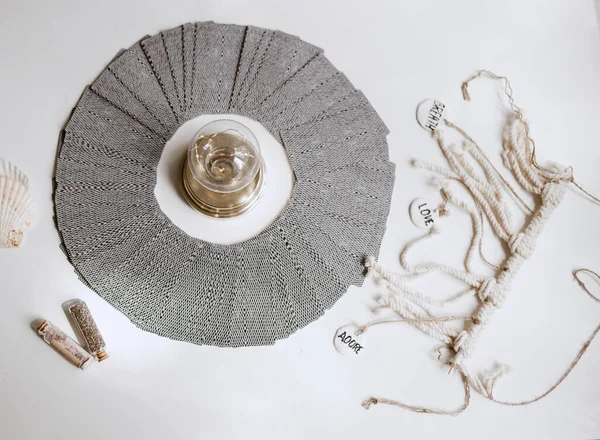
x,y
430,114
423,214
347,342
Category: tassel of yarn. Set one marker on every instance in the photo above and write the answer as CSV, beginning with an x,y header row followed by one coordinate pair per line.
x,y
524,128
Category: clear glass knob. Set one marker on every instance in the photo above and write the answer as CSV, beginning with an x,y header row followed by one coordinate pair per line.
x,y
224,156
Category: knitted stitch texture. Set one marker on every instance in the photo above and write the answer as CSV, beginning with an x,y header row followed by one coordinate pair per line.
x,y
252,293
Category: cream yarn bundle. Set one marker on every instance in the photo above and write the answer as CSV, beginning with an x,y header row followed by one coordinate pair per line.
x,y
492,196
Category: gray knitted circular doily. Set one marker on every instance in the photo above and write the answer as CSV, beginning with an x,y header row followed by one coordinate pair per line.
x,y
252,293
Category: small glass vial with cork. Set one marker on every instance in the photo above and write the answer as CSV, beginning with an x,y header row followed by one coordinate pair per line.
x,y
88,329
64,345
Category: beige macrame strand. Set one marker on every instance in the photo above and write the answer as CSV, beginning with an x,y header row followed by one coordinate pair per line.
x,y
508,90
489,189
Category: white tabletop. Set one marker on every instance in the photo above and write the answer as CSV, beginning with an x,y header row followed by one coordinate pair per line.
x,y
398,53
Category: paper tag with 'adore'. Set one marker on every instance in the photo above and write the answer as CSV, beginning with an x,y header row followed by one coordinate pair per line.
x,y
347,342
431,114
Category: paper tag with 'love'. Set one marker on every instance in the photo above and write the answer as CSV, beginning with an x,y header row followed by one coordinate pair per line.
x,y
423,214
348,341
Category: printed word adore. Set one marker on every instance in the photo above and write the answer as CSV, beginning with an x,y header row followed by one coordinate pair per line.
x,y
350,342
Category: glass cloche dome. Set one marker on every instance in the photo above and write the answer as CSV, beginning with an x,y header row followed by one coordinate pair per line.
x,y
223,172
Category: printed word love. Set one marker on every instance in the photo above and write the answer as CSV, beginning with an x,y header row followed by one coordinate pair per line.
x,y
423,214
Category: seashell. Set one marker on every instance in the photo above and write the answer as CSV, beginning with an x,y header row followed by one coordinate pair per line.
x,y
16,205
11,171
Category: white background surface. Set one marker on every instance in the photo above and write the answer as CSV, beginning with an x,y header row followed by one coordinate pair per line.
x,y
398,53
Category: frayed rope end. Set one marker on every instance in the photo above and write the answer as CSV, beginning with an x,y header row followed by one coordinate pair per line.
x,y
465,91
367,403
417,163
370,264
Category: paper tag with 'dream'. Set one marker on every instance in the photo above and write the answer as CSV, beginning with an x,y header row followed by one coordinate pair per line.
x,y
348,342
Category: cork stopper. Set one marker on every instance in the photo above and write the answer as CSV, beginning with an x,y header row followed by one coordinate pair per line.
x,y
42,326
101,355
